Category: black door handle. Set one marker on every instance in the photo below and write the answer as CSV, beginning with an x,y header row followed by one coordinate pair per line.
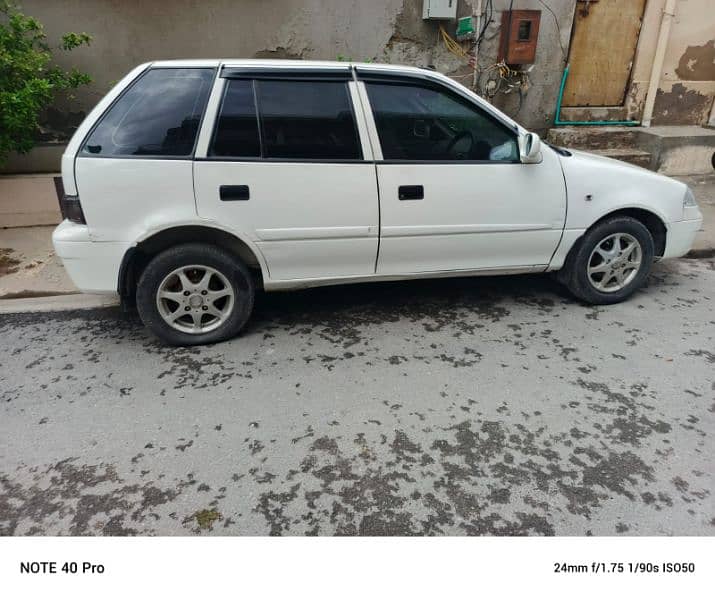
x,y
411,192
234,192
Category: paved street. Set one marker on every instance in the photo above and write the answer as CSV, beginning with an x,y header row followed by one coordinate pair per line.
x,y
464,406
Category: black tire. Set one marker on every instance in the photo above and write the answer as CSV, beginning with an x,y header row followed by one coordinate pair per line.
x,y
236,273
575,272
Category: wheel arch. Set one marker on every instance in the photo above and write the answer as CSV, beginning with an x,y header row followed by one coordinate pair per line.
x,y
138,256
652,221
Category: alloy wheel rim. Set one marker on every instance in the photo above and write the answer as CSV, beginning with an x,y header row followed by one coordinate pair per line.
x,y
195,299
615,262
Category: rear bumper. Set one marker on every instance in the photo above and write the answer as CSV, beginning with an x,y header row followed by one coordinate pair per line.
x,y
92,266
680,237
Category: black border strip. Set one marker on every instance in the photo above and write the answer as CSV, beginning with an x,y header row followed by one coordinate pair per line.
x,y
350,161
309,73
254,159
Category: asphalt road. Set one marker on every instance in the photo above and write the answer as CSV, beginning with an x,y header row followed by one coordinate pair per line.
x,y
465,406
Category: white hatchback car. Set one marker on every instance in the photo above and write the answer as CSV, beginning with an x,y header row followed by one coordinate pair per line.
x,y
193,182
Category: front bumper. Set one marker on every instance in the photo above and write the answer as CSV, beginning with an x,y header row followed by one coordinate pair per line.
x,y
680,237
93,266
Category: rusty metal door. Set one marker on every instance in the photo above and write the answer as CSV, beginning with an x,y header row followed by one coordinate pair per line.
x,y
603,46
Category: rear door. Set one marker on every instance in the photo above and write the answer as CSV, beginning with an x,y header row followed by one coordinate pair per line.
x,y
286,166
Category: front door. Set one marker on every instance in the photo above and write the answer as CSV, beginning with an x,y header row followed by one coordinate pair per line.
x,y
286,167
603,47
453,194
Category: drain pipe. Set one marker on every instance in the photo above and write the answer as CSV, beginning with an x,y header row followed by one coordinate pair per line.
x,y
559,123
657,71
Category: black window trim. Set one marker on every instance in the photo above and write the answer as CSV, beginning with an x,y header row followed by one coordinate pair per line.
x,y
296,73
81,153
297,77
390,78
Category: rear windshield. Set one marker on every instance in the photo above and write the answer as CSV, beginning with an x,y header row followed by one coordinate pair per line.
x,y
159,115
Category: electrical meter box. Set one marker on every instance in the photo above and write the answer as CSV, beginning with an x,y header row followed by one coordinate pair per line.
x,y
519,34
439,9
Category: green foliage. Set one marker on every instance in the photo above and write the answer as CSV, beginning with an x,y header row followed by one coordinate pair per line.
x,y
28,79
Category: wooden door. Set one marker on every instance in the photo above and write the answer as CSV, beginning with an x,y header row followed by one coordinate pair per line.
x,y
603,46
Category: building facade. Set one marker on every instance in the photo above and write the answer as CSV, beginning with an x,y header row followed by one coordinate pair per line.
x,y
630,60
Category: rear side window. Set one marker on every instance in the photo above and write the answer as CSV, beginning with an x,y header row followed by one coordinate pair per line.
x,y
237,127
300,120
159,115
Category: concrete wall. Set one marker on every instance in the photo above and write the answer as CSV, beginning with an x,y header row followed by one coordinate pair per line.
x,y
645,54
686,90
539,105
128,32
687,86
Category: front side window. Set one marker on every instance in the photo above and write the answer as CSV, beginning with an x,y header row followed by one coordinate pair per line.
x,y
426,123
159,115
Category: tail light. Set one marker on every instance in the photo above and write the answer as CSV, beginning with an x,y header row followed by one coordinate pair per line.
x,y
70,206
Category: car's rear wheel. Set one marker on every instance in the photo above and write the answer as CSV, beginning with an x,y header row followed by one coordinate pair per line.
x,y
195,294
611,262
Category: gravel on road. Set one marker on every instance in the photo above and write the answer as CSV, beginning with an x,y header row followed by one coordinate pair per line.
x,y
460,406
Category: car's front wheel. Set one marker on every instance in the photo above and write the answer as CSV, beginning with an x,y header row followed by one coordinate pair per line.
x,y
195,294
612,261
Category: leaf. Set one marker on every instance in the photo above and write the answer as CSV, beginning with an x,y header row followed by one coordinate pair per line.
x,y
29,81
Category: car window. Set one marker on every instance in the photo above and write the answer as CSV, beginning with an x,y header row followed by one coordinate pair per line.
x,y
424,123
307,120
159,115
237,127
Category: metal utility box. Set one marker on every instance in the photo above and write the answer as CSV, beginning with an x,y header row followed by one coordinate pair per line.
x,y
439,9
519,34
465,28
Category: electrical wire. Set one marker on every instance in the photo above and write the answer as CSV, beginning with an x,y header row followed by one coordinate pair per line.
x,y
455,47
488,18
500,76
558,27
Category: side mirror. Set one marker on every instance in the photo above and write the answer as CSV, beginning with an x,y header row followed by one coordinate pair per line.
x,y
530,148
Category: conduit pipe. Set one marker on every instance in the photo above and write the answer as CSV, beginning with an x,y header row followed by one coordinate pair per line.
x,y
477,29
658,61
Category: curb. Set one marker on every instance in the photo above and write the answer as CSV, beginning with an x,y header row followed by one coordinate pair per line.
x,y
42,304
701,253
53,302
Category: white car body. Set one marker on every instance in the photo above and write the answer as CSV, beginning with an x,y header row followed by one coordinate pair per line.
x,y
315,223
